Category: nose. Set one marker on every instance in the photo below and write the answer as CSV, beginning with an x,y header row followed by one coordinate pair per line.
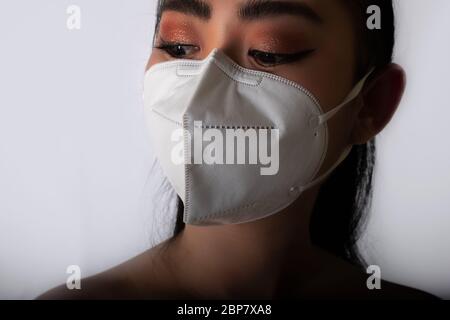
x,y
230,44
234,54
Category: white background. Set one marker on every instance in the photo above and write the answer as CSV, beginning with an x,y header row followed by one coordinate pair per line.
x,y
75,161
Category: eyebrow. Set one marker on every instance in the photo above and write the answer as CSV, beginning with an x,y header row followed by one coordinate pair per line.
x,y
258,9
251,10
197,8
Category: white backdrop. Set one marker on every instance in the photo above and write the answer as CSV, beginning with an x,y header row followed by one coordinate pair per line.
x,y
409,231
75,160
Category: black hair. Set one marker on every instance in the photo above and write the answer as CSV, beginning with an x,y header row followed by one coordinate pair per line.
x,y
339,215
338,220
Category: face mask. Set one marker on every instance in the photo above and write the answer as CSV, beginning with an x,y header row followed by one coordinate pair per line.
x,y
273,129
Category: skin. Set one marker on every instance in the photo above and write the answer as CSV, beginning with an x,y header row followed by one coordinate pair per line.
x,y
271,257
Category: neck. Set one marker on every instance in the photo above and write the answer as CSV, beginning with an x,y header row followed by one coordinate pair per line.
x,y
249,259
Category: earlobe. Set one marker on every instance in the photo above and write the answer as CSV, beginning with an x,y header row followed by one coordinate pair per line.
x,y
380,100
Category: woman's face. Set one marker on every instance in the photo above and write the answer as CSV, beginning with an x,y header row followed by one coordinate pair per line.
x,y
311,42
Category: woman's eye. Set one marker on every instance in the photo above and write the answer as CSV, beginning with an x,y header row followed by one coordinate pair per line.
x,y
178,51
268,59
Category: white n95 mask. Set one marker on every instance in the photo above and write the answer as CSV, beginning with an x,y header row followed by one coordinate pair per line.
x,y
249,142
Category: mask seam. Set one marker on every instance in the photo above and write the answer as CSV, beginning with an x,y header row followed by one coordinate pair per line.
x,y
225,212
257,127
274,211
187,168
166,118
222,213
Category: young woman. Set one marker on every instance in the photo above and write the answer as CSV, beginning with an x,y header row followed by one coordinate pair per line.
x,y
307,248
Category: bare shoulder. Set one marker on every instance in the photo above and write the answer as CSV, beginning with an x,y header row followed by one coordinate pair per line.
x,y
101,286
397,291
142,277
341,280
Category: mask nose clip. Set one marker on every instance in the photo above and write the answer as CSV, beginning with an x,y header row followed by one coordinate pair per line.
x,y
219,59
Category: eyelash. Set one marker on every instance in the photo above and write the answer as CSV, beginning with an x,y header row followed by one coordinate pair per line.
x,y
275,59
170,48
265,59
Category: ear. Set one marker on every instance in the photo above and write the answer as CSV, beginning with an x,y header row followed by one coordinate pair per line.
x,y
380,100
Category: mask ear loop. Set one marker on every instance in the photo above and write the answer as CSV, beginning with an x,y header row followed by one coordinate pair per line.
x,y
327,116
322,177
351,96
